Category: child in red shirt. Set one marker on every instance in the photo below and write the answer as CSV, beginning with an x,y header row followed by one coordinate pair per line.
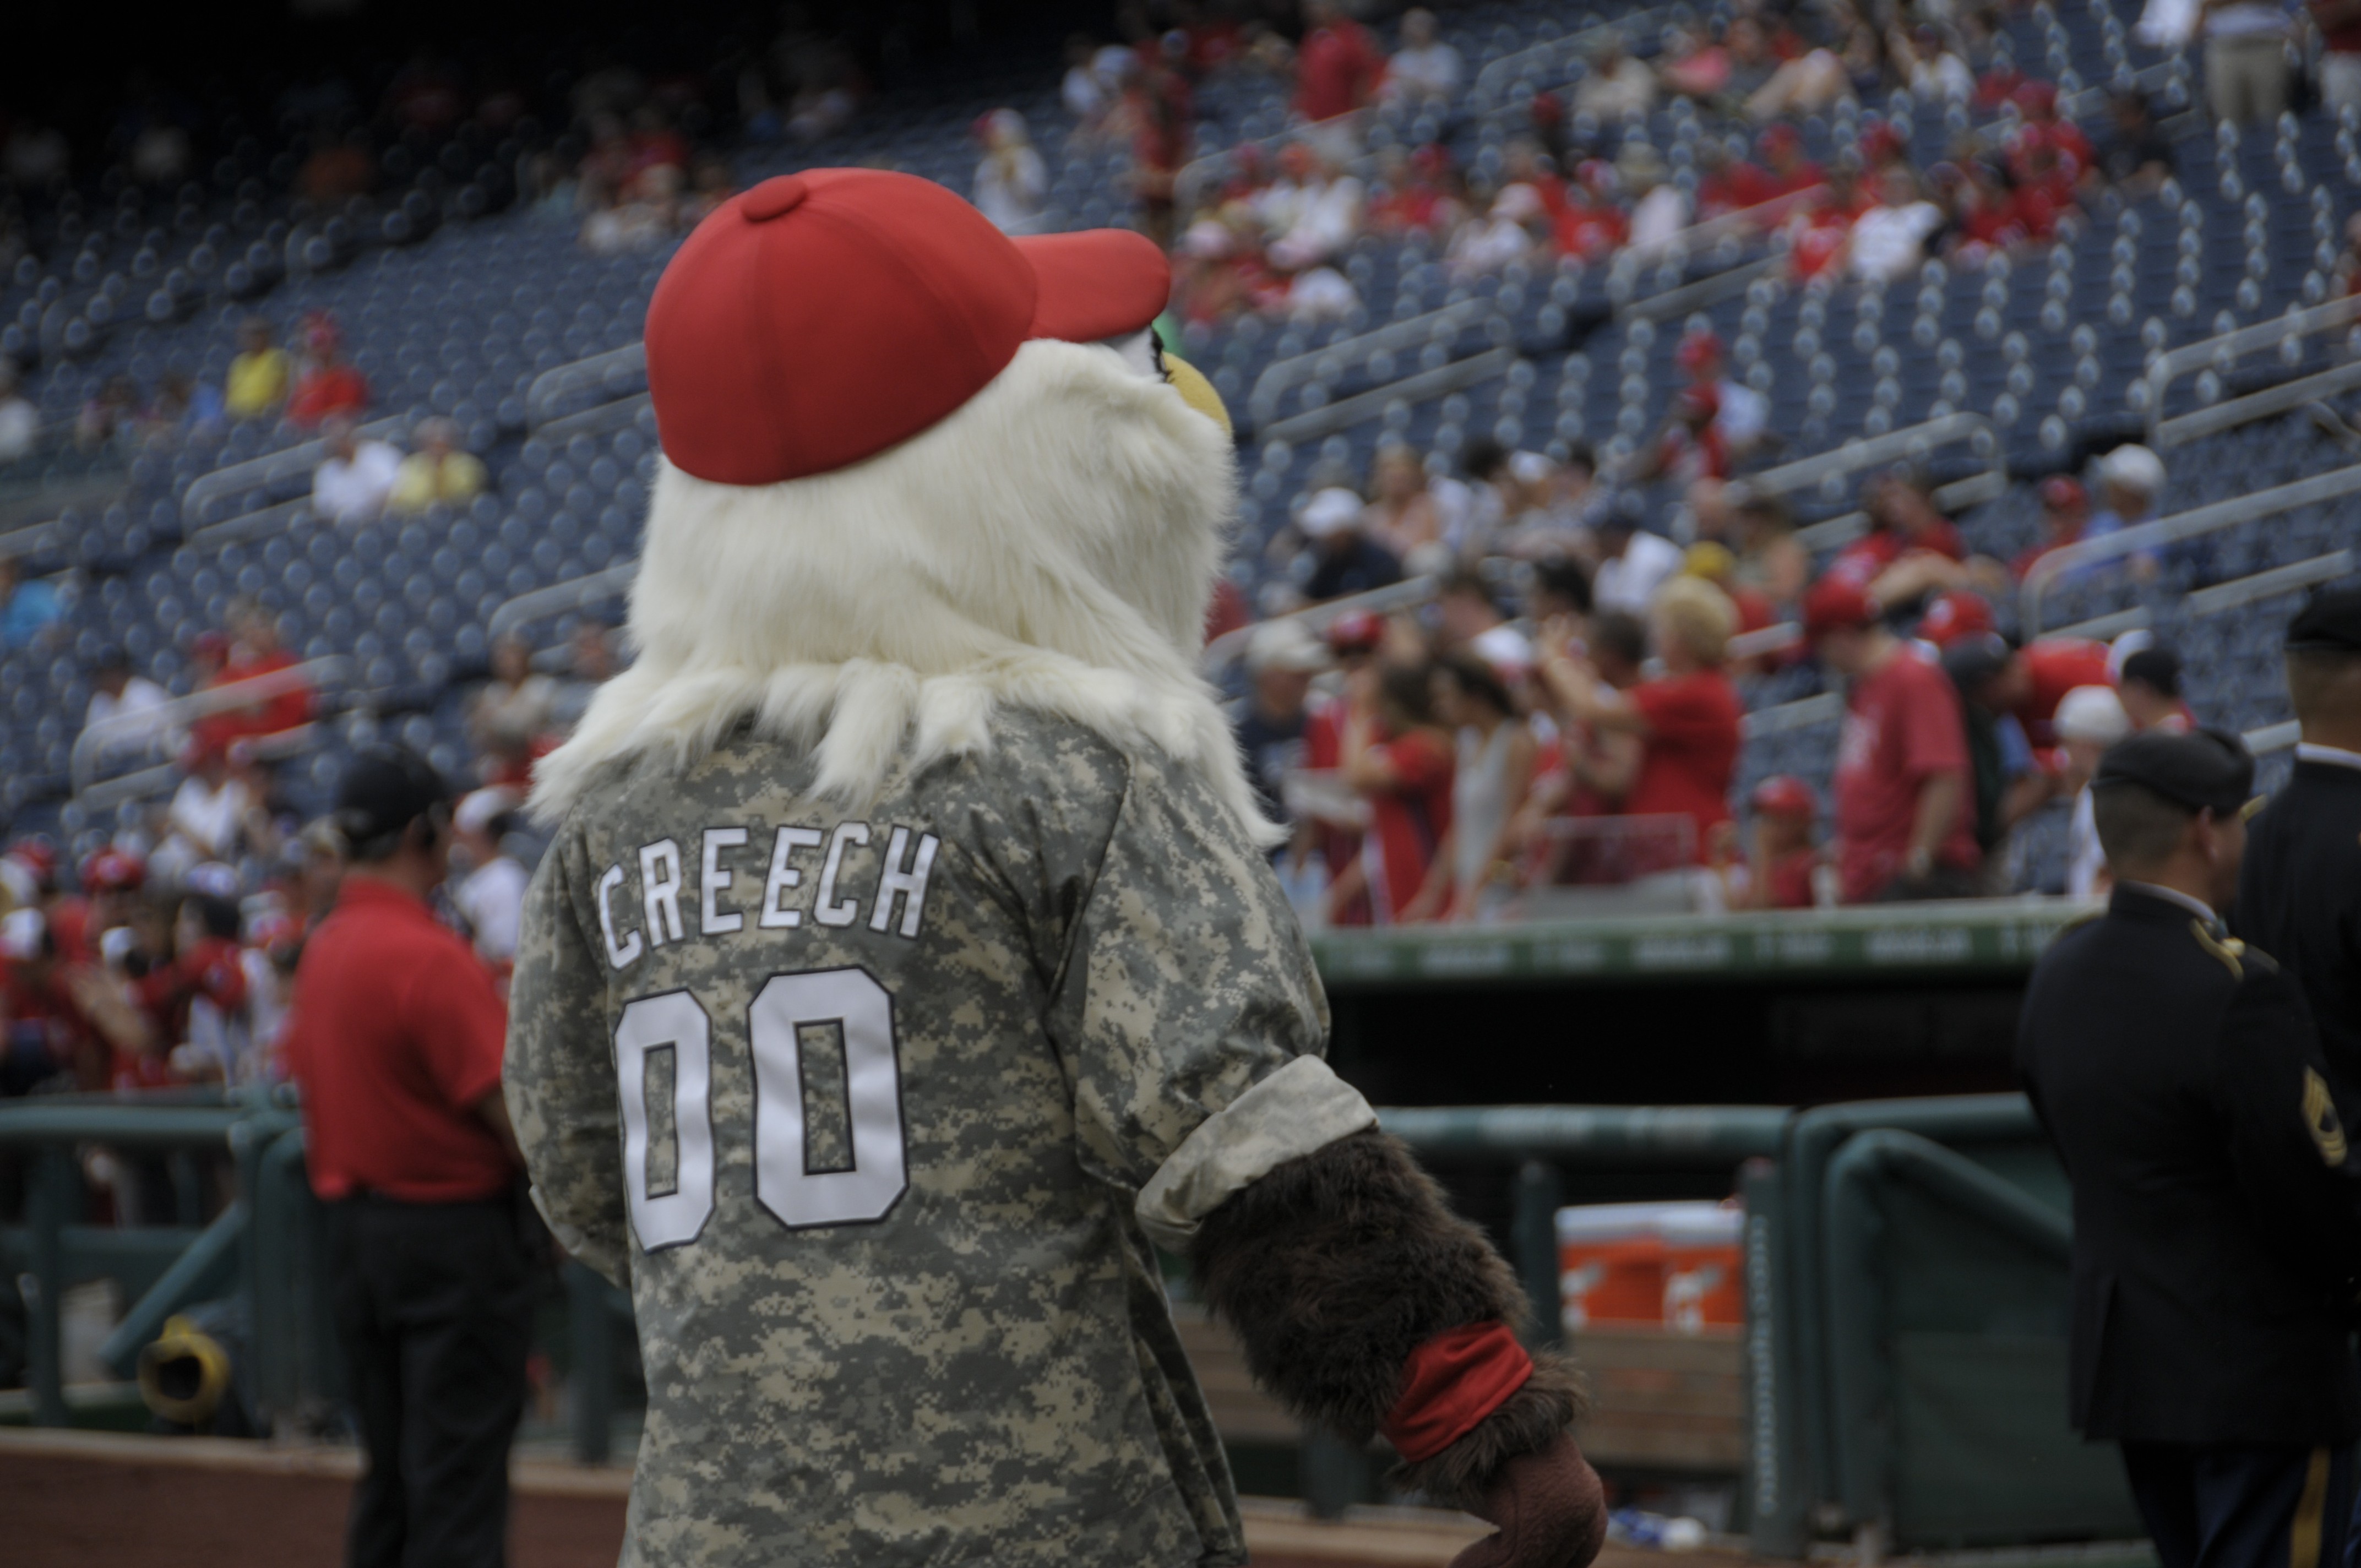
x,y
1406,777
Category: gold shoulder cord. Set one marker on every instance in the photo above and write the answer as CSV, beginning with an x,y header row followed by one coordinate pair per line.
x,y
2226,948
2320,1118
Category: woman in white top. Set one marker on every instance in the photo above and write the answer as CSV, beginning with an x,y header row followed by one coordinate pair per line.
x,y
1012,184
1497,753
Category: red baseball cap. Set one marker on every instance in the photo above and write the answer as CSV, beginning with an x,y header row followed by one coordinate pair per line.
x,y
1954,615
1835,605
113,871
2060,491
1784,794
822,317
1356,630
38,856
1696,349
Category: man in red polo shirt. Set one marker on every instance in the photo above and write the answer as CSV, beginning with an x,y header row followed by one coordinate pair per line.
x,y
395,1040
1905,815
1337,68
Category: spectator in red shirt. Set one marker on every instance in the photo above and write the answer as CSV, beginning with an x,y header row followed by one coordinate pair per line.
x,y
1162,112
1687,720
1725,184
396,1040
1782,864
1406,778
1338,67
2038,678
44,1036
207,1044
329,383
2065,513
1911,548
2042,130
1904,813
1589,224
255,651
1787,173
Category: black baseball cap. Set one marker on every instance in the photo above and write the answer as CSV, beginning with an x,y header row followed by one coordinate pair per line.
x,y
384,790
2155,666
2203,770
2329,622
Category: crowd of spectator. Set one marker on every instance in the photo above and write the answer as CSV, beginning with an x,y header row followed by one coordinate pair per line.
x,y
165,957
1583,185
1444,761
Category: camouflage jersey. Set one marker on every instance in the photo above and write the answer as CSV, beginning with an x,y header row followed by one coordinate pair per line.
x,y
876,1115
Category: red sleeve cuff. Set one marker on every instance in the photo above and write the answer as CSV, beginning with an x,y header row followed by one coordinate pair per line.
x,y
1450,1384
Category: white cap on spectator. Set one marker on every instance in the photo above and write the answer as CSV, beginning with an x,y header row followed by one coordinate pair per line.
x,y
2124,646
2092,713
1519,203
1530,468
2133,467
213,879
1284,645
20,934
476,810
1330,512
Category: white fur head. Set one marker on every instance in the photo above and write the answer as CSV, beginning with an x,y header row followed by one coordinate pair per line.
x,y
1049,545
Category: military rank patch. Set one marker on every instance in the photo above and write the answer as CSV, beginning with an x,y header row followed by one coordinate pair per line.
x,y
2320,1118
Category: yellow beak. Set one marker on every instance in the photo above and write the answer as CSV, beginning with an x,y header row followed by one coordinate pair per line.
x,y
1195,390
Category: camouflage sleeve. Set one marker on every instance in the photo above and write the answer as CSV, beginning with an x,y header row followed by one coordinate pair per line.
x,y
1187,1011
559,1073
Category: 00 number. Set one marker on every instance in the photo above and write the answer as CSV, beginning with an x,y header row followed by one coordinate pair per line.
x,y
798,1198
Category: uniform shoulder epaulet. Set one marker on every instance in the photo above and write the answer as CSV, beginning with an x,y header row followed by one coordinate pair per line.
x,y
2230,952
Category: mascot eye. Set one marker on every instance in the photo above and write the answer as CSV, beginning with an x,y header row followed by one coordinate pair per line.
x,y
1143,351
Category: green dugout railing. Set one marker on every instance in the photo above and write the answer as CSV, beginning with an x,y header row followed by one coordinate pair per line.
x,y
1904,1353
1966,938
253,1246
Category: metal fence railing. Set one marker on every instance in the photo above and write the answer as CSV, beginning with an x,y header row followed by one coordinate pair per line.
x,y
1900,1368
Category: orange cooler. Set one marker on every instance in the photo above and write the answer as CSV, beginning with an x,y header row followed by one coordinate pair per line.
x,y
1661,1266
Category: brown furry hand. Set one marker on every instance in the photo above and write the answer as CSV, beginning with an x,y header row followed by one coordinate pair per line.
x,y
1551,1510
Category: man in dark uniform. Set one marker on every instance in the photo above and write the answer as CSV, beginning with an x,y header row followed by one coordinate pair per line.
x,y
2216,1233
2300,896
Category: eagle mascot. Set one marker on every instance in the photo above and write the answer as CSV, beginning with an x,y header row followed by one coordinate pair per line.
x,y
906,971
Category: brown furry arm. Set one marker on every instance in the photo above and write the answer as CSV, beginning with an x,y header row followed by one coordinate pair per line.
x,y
1334,1267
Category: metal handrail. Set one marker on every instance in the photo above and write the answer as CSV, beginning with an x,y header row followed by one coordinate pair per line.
x,y
273,466
2260,404
1442,325
92,743
2168,366
557,598
49,1134
2169,529
2263,585
1198,171
1416,388
1764,640
1656,1135
1543,56
1857,1340
591,371
1829,534
2271,738
1225,650
1800,714
1877,450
